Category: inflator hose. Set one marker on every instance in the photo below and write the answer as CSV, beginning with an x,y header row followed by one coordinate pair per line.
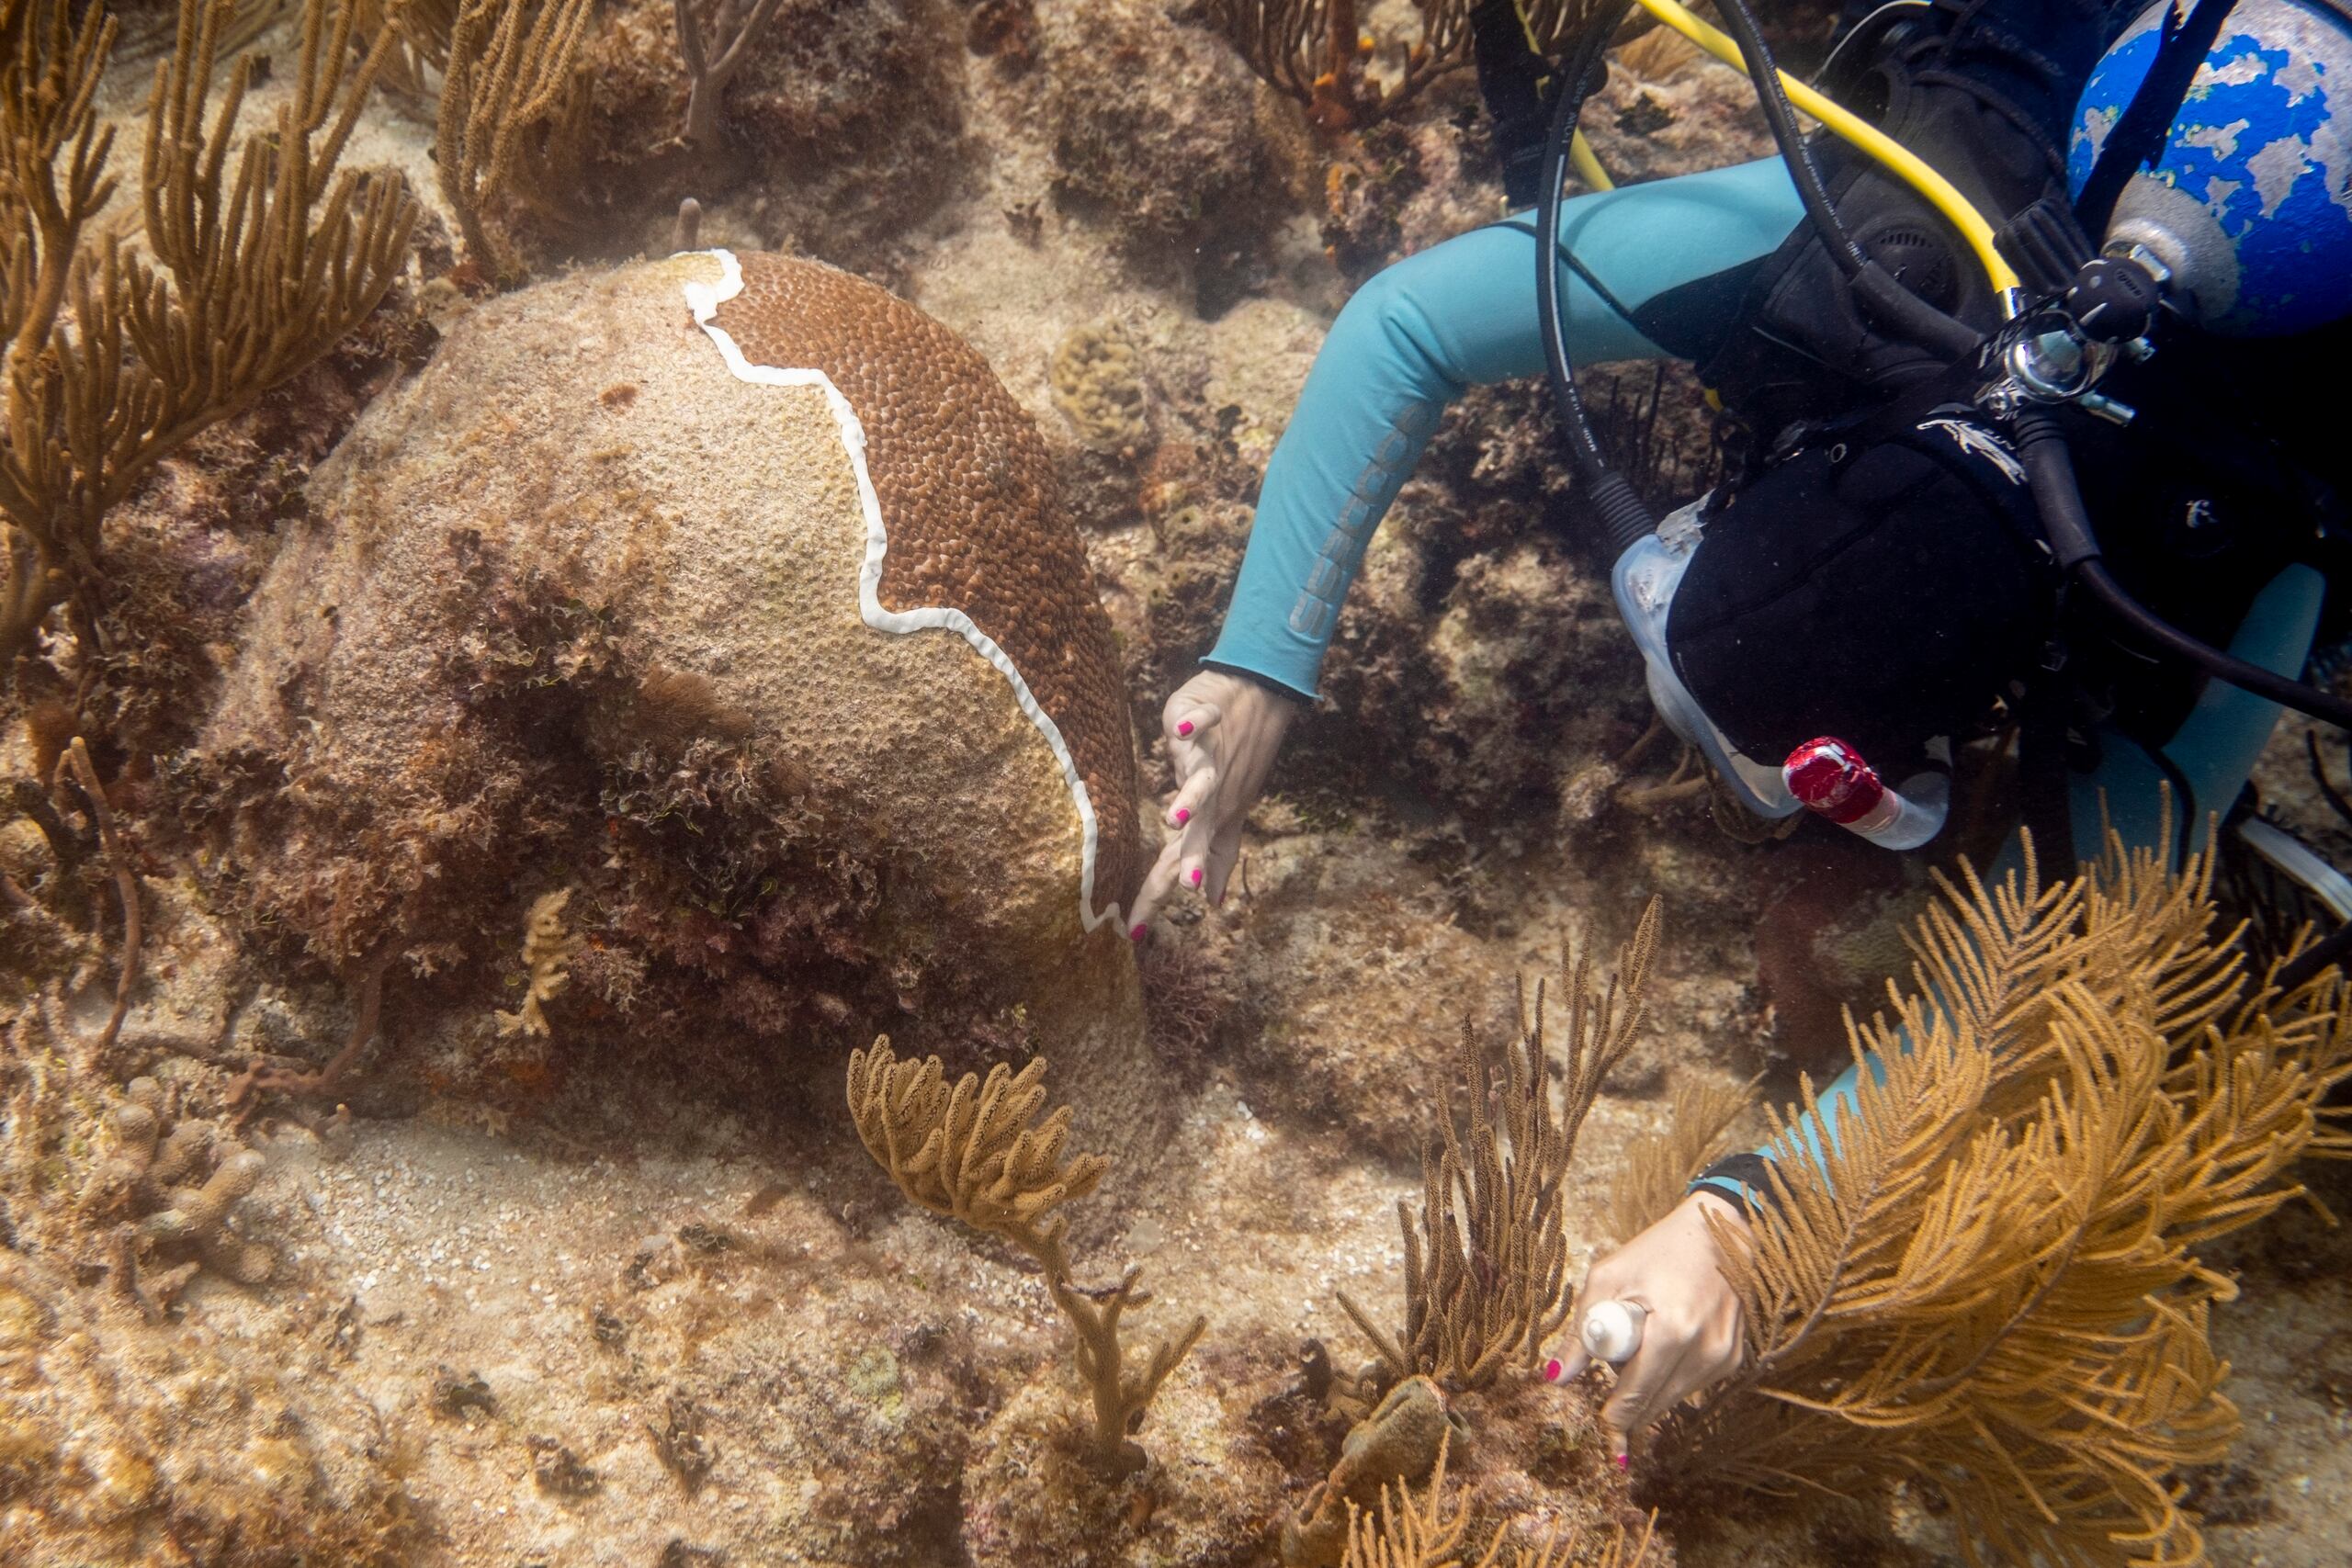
x,y
2050,470
1624,516
1877,290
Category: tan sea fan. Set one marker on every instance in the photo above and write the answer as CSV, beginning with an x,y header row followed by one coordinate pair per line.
x,y
1992,1284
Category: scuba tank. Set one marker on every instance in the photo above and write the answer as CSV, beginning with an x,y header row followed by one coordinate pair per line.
x,y
2241,208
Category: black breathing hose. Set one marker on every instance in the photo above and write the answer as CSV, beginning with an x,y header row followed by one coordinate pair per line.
x,y
1624,517
1878,291
1780,117
2050,469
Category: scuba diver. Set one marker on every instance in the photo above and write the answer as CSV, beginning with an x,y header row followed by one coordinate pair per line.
x,y
2023,346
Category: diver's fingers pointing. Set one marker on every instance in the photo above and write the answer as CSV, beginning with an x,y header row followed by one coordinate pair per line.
x,y
1193,843
1637,1403
1157,884
1189,797
1224,851
1189,720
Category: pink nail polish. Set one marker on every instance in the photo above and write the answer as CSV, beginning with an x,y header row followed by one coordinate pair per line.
x,y
1624,1461
1197,876
1136,935
1552,1369
1183,816
1185,727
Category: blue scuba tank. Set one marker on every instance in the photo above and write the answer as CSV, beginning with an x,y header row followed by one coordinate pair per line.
x,y
2249,204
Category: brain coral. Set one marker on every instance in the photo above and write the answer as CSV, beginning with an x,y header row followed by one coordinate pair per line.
x,y
737,594
965,525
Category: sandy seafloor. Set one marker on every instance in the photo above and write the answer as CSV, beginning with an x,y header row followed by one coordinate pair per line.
x,y
631,1238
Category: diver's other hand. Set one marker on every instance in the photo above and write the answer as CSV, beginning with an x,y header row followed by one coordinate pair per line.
x,y
1692,1338
1224,732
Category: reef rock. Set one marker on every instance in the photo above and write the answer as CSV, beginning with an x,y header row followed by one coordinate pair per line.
x,y
739,595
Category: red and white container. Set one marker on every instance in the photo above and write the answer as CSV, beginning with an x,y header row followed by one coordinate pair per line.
x,y
1831,779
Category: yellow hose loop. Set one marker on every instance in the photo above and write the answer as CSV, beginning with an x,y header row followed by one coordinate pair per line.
x,y
1936,190
1587,165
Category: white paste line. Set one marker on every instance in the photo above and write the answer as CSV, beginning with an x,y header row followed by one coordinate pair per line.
x,y
705,300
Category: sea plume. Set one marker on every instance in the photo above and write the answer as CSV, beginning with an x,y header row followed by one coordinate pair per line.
x,y
1993,1282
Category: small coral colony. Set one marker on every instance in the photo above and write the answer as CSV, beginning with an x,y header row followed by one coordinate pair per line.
x,y
630,652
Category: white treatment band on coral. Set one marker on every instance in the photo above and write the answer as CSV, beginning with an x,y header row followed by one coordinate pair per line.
x,y
705,300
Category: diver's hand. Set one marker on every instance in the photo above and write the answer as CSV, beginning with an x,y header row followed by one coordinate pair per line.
x,y
1692,1338
1223,733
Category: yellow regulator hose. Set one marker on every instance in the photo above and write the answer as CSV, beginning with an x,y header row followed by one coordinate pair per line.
x,y
1932,187
1587,165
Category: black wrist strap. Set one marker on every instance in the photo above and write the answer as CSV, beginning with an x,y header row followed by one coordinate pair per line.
x,y
1743,1180
1303,699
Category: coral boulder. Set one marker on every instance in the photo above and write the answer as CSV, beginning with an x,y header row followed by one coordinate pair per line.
x,y
736,595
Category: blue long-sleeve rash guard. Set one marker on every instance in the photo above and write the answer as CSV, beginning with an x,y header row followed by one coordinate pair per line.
x,y
1420,334
1464,313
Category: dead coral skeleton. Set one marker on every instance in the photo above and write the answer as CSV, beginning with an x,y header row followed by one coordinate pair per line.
x,y
119,356
75,767
1486,1262
1992,1281
732,34
292,1075
969,1152
172,1190
547,948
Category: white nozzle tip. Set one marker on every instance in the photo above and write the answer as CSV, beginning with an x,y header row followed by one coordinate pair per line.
x,y
1612,1331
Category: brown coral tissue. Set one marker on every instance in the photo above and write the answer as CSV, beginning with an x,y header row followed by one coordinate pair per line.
x,y
1993,1283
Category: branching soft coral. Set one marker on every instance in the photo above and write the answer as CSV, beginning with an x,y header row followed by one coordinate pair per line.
x,y
1430,1533
509,74
547,950
1992,1284
251,267
1313,51
1486,1262
969,1152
